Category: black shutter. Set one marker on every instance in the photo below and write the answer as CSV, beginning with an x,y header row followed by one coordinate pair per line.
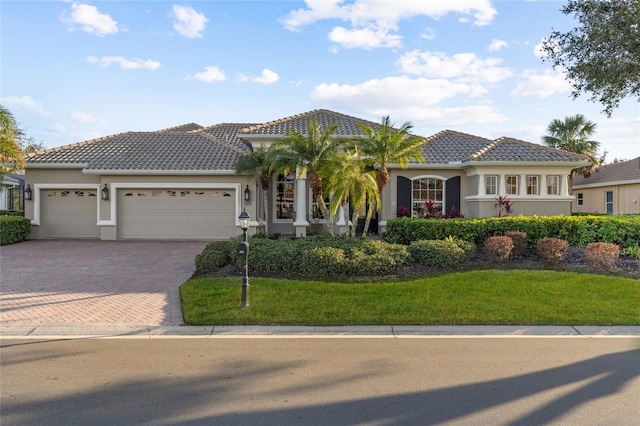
x,y
404,193
452,195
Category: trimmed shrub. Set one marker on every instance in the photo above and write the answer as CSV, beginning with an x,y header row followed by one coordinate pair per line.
x,y
214,256
602,256
519,243
12,213
14,229
498,248
323,261
468,247
436,253
552,250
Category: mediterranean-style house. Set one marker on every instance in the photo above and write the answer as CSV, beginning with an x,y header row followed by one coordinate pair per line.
x,y
612,189
180,182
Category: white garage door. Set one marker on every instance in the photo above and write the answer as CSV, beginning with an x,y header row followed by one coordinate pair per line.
x,y
69,213
186,214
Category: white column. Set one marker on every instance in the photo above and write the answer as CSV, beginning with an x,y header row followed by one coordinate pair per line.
x,y
301,222
543,185
481,186
523,185
564,185
502,185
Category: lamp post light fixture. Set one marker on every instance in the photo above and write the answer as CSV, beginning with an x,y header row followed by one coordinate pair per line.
x,y
105,193
28,195
243,250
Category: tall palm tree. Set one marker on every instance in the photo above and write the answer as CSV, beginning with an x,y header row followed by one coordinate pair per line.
x,y
573,134
11,155
349,181
307,154
259,162
387,145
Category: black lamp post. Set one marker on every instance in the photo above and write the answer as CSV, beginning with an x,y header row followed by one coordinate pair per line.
x,y
243,250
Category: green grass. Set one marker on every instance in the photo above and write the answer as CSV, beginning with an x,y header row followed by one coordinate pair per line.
x,y
519,297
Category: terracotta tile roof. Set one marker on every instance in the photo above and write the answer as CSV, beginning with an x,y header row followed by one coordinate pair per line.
x,y
146,151
450,146
509,149
616,172
298,123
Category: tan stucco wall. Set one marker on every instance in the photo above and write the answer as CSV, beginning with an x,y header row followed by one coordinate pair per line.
x,y
626,199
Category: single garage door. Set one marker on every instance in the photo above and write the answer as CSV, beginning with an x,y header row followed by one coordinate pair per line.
x,y
69,213
186,214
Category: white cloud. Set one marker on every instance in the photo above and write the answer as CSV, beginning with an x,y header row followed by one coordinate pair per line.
x,y
267,77
463,67
210,74
189,22
497,45
90,20
366,38
24,104
428,34
361,12
125,64
57,128
391,92
541,85
82,117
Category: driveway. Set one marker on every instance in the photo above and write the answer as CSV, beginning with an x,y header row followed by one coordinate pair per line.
x,y
97,283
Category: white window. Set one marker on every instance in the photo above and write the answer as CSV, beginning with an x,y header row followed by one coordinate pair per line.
x,y
512,185
491,185
284,197
427,197
553,185
532,185
580,198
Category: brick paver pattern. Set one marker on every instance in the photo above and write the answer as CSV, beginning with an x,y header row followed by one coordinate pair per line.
x,y
97,283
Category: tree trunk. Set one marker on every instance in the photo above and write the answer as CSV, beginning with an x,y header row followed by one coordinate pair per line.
x,y
368,220
325,213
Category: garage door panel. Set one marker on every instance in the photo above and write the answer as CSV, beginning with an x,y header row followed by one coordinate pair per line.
x,y
176,214
69,213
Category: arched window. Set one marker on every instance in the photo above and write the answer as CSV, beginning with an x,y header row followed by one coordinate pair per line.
x,y
427,197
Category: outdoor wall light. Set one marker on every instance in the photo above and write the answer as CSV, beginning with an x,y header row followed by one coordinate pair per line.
x,y
28,195
247,194
105,193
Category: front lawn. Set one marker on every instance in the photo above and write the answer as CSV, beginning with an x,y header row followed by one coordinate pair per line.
x,y
481,297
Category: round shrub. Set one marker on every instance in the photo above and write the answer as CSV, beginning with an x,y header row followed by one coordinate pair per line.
x,y
519,240
602,256
468,247
436,253
214,256
498,249
323,261
552,250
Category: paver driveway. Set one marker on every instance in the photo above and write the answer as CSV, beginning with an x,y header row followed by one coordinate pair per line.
x,y
97,283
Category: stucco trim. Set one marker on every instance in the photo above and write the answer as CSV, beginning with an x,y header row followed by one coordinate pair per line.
x,y
157,172
56,165
601,184
37,187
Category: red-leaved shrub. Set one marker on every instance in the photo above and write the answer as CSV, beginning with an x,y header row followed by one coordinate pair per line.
x,y
602,256
498,249
552,250
519,243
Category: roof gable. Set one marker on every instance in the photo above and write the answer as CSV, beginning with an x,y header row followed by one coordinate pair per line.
x,y
348,126
510,149
450,146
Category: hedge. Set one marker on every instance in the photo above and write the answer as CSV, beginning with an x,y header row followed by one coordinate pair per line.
x,y
12,213
623,230
14,229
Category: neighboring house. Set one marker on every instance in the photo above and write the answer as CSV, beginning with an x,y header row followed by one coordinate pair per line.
x,y
11,192
180,183
612,189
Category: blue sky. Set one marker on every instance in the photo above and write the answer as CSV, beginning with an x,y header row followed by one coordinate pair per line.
x,y
73,71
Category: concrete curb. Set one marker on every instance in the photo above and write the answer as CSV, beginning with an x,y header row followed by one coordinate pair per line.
x,y
66,332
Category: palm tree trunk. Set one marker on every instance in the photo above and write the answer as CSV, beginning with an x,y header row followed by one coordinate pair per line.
x,y
325,213
368,220
265,197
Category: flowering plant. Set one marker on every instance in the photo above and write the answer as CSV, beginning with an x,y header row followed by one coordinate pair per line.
x,y
504,206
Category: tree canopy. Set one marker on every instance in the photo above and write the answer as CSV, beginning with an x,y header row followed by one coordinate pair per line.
x,y
11,154
601,55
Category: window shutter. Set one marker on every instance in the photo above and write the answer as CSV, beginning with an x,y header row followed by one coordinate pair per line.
x,y
452,194
404,193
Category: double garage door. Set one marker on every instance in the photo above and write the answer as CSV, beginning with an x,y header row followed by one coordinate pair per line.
x,y
190,214
184,214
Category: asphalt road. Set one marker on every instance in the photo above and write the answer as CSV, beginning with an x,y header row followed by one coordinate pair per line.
x,y
321,381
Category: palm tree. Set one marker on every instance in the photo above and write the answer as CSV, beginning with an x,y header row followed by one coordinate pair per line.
x,y
308,154
387,145
573,134
259,162
349,181
11,155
